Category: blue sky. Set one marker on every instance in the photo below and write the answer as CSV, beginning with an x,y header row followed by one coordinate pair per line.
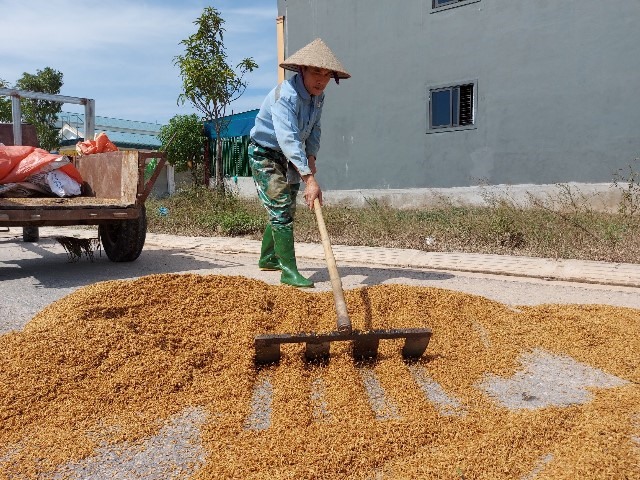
x,y
121,52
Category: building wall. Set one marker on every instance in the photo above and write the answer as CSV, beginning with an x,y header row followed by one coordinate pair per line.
x,y
556,90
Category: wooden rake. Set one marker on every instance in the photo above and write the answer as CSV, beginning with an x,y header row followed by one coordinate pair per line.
x,y
364,343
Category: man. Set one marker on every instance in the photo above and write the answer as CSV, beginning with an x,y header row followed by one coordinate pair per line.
x,y
283,149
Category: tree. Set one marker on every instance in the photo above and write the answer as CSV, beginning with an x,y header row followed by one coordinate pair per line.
x,y
208,81
185,150
5,104
43,114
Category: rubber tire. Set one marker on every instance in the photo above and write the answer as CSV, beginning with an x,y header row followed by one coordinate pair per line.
x,y
123,241
30,234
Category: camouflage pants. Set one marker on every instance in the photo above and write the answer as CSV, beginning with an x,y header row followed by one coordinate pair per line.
x,y
269,169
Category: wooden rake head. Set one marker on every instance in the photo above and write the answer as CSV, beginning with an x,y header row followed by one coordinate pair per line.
x,y
364,344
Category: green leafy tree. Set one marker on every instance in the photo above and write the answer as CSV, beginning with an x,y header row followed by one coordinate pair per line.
x,y
182,139
5,104
42,113
208,81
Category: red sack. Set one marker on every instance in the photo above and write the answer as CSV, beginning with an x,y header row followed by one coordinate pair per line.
x,y
10,157
100,145
17,163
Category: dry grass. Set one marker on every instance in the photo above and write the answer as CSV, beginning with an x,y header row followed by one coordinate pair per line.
x,y
498,229
562,227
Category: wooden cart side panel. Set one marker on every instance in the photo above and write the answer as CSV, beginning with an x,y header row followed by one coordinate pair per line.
x,y
70,216
110,175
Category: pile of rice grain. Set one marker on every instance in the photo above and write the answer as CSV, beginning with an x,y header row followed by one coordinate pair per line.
x,y
113,361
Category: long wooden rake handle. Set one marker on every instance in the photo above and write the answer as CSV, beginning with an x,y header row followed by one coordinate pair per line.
x,y
343,322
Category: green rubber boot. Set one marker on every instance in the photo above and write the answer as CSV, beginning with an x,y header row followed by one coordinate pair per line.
x,y
268,259
283,239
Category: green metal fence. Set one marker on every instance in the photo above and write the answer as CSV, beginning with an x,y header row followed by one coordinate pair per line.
x,y
235,156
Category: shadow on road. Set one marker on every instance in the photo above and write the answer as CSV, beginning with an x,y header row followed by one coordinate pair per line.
x,y
49,265
375,276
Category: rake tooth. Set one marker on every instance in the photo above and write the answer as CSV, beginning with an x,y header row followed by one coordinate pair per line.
x,y
365,348
266,352
317,351
415,346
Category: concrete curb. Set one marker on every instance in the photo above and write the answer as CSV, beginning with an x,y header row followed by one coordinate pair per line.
x,y
615,274
579,271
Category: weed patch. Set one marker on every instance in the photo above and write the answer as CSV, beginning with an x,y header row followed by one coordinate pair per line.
x,y
562,226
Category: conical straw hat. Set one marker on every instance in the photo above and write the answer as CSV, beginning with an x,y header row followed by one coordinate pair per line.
x,y
315,54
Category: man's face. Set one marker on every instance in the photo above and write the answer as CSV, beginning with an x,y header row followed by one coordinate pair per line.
x,y
316,79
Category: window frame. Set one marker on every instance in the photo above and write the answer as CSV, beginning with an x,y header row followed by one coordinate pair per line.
x,y
451,4
474,106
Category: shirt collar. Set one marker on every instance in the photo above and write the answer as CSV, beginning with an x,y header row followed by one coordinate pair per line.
x,y
298,84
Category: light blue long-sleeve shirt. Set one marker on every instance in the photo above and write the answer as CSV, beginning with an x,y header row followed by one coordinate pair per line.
x,y
290,124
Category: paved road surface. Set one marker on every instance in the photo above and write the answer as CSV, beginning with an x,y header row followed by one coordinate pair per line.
x,y
32,275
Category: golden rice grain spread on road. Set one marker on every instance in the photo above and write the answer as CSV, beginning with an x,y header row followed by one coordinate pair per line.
x,y
112,362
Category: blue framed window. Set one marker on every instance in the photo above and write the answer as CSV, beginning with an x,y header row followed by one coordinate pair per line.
x,y
452,107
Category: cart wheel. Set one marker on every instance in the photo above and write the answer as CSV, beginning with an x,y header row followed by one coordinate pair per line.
x,y
123,241
30,234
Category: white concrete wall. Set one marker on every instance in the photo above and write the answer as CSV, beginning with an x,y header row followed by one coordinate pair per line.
x,y
599,196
